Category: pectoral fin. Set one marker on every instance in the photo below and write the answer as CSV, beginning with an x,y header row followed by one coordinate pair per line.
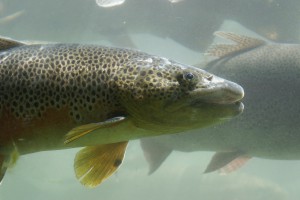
x,y
95,164
8,161
80,131
155,154
227,162
3,167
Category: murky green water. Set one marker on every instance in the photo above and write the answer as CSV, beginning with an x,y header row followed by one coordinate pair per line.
x,y
267,131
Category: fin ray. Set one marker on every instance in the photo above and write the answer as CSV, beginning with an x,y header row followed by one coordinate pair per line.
x,y
94,164
80,131
243,43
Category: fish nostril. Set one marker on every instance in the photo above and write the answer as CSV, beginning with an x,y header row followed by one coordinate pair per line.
x,y
210,78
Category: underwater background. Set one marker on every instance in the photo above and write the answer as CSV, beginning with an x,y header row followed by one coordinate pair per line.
x,y
177,30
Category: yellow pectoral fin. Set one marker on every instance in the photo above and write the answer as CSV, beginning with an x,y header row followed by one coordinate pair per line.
x,y
8,161
3,167
80,131
95,164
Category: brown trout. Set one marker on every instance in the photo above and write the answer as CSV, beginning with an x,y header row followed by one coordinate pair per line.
x,y
269,126
76,89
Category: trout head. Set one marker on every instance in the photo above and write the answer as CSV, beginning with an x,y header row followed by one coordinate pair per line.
x,y
163,92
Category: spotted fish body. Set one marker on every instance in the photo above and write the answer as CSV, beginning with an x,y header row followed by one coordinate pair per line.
x,y
73,81
52,88
86,82
80,78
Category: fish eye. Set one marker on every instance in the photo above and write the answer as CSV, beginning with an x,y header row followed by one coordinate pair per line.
x,y
189,76
188,80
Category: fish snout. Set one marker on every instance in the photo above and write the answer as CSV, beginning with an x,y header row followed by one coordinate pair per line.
x,y
221,91
230,92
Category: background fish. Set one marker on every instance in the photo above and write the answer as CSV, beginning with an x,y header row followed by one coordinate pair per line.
x,y
81,89
75,19
268,128
109,3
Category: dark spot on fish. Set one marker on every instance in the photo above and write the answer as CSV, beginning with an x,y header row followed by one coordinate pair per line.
x,y
36,104
117,162
77,117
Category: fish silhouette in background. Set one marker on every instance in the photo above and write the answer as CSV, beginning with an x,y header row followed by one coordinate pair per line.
x,y
8,17
190,23
269,126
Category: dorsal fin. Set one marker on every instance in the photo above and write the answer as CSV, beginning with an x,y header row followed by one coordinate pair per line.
x,y
243,43
7,43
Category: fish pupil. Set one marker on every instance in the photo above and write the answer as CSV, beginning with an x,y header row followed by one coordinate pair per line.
x,y
189,76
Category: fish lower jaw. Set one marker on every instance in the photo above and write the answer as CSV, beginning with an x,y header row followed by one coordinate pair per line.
x,y
226,101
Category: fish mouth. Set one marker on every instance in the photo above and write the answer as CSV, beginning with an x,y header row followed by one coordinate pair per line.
x,y
219,91
221,110
218,94
201,114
